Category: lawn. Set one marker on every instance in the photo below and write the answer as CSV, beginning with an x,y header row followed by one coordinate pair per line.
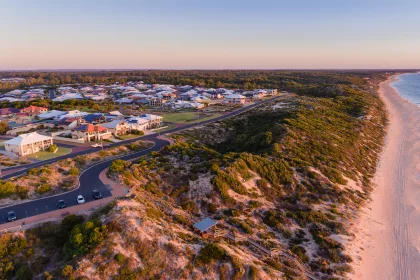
x,y
129,136
169,126
185,117
178,117
44,155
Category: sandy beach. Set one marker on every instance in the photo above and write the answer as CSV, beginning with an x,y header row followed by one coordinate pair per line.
x,y
388,237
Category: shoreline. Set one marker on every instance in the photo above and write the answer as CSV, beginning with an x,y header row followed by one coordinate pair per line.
x,y
387,242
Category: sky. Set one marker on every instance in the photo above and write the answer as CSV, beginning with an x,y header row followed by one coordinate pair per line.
x,y
203,34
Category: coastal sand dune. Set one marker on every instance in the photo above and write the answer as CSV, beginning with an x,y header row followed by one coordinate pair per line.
x,y
389,231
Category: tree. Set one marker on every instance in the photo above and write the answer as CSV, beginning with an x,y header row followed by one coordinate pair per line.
x,y
67,271
52,148
110,107
4,127
74,171
47,276
96,107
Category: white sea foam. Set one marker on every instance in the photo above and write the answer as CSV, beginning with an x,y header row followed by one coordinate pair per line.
x,y
408,85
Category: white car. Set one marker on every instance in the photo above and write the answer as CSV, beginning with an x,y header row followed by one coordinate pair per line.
x,y
80,199
96,145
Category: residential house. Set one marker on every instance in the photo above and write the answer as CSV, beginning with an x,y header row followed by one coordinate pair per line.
x,y
51,114
70,95
33,110
10,99
91,132
155,121
235,99
137,123
157,102
124,100
8,112
118,127
28,143
69,123
95,118
72,113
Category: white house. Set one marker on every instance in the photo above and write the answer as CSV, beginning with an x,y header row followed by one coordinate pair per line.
x,y
234,99
51,114
155,121
137,123
72,95
90,132
28,143
118,127
72,114
124,100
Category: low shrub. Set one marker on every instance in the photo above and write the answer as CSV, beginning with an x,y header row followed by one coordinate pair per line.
x,y
209,253
44,188
74,171
52,148
120,258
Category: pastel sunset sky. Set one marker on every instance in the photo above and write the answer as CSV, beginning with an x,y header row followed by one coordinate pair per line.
x,y
217,34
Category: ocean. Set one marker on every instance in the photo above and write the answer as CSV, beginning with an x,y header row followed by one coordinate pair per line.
x,y
408,85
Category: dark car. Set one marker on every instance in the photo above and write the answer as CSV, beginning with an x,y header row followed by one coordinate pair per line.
x,y
96,194
11,216
61,204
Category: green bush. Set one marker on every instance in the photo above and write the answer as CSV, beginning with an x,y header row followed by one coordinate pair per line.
x,y
243,225
117,166
80,160
4,127
120,258
67,271
300,252
10,247
209,253
52,148
7,189
44,188
83,238
74,171
137,132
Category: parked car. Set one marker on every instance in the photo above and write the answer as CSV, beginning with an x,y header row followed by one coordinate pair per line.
x,y
96,194
96,146
61,204
80,199
11,216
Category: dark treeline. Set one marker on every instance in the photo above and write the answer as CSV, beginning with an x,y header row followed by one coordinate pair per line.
x,y
297,81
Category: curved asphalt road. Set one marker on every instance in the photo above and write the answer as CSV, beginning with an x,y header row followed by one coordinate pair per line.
x,y
89,178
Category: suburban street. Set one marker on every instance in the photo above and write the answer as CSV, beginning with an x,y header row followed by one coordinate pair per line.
x,y
89,178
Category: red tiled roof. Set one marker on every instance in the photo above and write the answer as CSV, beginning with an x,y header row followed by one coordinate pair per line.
x,y
32,109
90,128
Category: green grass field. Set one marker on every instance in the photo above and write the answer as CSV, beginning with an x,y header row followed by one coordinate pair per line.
x,y
129,136
44,155
169,126
185,117
178,117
